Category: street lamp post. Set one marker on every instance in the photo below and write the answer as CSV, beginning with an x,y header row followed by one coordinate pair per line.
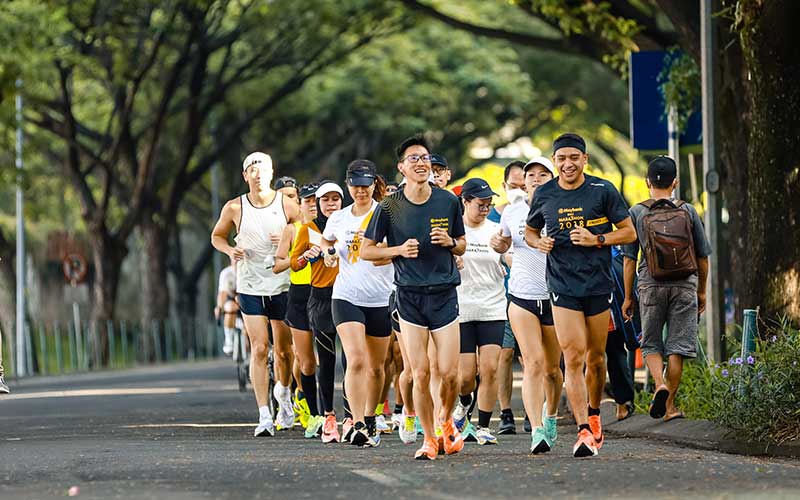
x,y
22,358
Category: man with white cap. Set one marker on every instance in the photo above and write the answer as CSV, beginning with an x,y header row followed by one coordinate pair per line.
x,y
258,217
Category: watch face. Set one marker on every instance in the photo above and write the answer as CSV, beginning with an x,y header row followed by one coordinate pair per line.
x,y
601,239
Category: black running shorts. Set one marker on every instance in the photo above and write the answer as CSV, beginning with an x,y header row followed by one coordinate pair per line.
x,y
273,307
539,308
319,310
297,308
431,309
589,306
375,319
476,334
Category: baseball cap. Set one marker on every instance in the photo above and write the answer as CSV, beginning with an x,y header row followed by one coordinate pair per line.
x,y
540,160
361,173
257,158
308,190
437,159
328,187
476,188
662,169
285,181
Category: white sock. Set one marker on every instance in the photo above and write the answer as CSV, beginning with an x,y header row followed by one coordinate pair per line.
x,y
229,335
264,413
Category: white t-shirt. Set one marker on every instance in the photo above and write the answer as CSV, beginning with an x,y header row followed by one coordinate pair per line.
x,y
482,294
527,280
227,281
358,282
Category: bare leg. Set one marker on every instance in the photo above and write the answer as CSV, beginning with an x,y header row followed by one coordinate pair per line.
x,y
259,349
282,337
572,337
596,356
377,349
354,345
674,372
415,342
505,377
487,392
448,344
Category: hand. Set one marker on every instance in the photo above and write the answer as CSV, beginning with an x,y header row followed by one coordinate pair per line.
x,y
627,309
440,237
410,249
583,237
312,253
274,238
498,242
236,254
216,312
330,260
459,262
545,244
701,303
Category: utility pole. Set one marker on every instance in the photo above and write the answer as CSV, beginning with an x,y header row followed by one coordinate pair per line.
x,y
715,304
217,257
22,357
673,144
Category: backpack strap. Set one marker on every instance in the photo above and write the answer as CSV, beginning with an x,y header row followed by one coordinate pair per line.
x,y
662,203
647,203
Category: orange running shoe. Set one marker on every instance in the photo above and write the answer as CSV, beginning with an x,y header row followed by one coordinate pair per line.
x,y
597,430
585,446
330,431
428,450
453,442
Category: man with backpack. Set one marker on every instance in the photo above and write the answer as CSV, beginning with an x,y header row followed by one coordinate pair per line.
x,y
672,281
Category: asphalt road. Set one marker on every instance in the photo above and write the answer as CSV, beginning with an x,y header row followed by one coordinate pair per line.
x,y
184,431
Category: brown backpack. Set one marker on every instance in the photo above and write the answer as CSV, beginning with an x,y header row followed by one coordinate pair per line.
x,y
669,244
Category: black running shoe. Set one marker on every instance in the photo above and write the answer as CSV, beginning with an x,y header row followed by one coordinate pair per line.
x,y
526,425
507,424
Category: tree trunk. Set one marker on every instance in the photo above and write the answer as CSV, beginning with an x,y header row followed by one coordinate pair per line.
x,y
8,301
107,256
155,291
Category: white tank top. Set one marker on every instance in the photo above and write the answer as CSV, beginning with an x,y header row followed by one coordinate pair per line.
x,y
254,274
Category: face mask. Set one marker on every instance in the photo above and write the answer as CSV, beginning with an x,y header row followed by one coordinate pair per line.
x,y
514,195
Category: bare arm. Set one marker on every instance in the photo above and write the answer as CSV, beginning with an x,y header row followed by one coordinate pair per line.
x,y
500,243
628,273
282,253
292,210
457,246
223,227
372,252
702,277
534,239
624,234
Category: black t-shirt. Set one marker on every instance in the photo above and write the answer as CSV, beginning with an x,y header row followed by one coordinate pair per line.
x,y
397,219
571,269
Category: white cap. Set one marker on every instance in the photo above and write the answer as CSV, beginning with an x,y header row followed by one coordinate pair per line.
x,y
329,187
540,160
257,158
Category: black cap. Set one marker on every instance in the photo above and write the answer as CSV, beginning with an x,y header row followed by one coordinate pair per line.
x,y
361,173
476,188
285,181
440,160
308,190
662,169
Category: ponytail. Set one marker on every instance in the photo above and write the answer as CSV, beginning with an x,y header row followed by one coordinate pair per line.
x,y
380,189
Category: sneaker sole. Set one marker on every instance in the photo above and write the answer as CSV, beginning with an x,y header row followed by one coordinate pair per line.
x,y
504,432
423,456
584,451
265,433
359,440
542,447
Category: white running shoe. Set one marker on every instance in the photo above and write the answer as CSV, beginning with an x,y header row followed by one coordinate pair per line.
x,y
397,420
408,431
381,426
3,387
266,428
484,436
227,346
460,415
285,417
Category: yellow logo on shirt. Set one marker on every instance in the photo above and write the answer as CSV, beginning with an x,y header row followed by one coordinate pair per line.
x,y
443,222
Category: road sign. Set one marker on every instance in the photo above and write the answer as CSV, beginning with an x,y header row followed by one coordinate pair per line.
x,y
75,268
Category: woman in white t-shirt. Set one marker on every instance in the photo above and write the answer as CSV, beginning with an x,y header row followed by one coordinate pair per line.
x,y
482,311
360,300
530,315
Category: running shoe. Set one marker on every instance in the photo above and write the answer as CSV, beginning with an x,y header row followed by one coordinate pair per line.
x,y
314,425
526,425
330,431
359,436
453,442
347,429
597,430
460,415
3,386
285,417
585,446
381,425
373,438
484,436
550,426
539,441
408,434
507,424
397,420
302,413
266,428
418,427
469,433
428,451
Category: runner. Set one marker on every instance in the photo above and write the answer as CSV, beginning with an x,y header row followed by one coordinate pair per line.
x,y
227,309
578,211
297,314
258,218
3,387
530,314
424,231
514,187
482,303
307,250
406,421
441,170
360,300
288,187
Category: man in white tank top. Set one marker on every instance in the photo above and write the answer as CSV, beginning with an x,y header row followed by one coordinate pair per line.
x,y
258,218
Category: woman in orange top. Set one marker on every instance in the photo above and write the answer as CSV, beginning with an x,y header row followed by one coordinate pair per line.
x,y
323,274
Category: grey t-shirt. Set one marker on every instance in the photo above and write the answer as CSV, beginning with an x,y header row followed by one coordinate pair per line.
x,y
702,248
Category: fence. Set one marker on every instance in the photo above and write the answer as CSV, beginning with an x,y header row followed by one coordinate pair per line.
x,y
60,347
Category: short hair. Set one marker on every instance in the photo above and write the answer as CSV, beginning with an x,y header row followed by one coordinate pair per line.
x,y
414,140
511,166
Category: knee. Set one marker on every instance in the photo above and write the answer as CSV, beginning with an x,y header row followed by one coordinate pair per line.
x,y
259,352
450,378
422,376
375,372
596,361
356,362
308,366
532,365
282,354
553,373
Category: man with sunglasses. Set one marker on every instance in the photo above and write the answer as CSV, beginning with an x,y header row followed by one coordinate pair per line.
x,y
424,232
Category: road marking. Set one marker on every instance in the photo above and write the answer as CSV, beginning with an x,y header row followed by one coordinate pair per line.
x,y
379,477
192,425
78,393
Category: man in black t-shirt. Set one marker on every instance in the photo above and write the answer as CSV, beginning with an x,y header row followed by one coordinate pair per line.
x,y
423,229
578,211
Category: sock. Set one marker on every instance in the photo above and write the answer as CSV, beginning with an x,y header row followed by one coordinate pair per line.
x,y
379,409
360,426
484,417
398,409
264,413
466,400
584,426
594,411
229,335
506,411
310,384
300,394
369,421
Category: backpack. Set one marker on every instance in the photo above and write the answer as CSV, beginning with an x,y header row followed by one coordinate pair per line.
x,y
669,244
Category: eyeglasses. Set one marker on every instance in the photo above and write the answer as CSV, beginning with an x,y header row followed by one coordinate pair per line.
x,y
417,158
485,208
286,182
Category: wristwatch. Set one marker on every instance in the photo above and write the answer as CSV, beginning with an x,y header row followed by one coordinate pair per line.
x,y
601,240
455,243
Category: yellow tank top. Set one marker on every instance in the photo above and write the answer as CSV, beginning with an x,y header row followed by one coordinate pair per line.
x,y
303,276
